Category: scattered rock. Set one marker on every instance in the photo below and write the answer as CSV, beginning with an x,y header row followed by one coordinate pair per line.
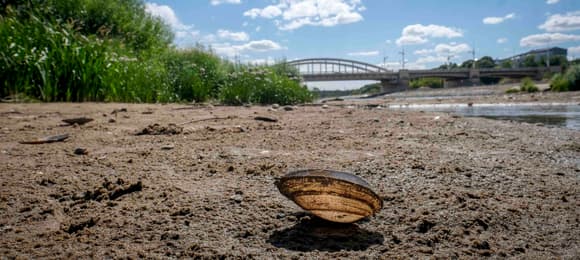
x,y
480,244
112,190
147,112
266,119
80,151
424,226
325,106
119,110
77,120
75,227
167,147
288,108
237,198
112,120
156,129
275,106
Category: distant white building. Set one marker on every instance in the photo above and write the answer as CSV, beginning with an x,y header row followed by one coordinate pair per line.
x,y
538,55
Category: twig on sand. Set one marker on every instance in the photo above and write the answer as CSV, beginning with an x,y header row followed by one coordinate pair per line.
x,y
48,139
207,119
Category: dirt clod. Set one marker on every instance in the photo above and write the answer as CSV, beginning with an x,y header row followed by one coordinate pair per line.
x,y
156,129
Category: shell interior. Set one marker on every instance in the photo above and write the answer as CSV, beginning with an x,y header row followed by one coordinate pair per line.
x,y
331,195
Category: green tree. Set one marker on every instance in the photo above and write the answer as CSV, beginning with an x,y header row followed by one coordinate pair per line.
x,y
467,64
530,61
485,62
506,64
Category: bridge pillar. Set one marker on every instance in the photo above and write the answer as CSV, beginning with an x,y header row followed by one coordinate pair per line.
x,y
451,83
404,78
400,84
391,86
474,77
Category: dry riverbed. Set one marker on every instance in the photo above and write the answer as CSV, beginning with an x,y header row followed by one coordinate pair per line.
x,y
182,181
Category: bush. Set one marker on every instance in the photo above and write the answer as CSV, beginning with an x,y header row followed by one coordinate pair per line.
x,y
527,85
512,90
573,77
569,81
426,82
194,74
559,83
262,86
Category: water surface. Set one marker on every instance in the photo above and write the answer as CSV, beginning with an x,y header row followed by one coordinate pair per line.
x,y
553,114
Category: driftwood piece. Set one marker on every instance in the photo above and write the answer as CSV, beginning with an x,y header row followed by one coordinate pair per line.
x,y
77,120
48,139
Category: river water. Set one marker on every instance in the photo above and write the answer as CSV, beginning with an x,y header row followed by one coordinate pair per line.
x,y
550,114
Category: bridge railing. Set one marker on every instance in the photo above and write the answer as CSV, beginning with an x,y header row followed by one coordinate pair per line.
x,y
333,66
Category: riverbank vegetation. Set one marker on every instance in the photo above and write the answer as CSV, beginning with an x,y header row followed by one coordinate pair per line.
x,y
568,81
110,50
426,82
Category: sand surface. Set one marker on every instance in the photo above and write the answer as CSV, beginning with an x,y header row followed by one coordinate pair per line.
x,y
201,183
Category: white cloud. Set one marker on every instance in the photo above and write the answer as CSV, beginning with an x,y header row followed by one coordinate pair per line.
x,y
293,14
227,49
502,40
441,53
265,61
453,49
551,2
431,59
167,15
574,51
442,49
418,33
562,22
363,53
423,51
497,20
184,34
233,36
545,39
219,2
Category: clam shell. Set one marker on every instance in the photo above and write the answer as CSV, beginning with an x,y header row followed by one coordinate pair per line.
x,y
331,195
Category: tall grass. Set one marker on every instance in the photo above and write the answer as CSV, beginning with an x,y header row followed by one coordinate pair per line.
x,y
195,74
54,63
111,50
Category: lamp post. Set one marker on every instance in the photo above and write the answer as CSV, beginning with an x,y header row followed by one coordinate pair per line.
x,y
402,52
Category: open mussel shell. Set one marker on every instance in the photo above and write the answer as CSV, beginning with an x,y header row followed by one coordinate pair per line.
x,y
331,195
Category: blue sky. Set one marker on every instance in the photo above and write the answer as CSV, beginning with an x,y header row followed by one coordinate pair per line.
x,y
430,32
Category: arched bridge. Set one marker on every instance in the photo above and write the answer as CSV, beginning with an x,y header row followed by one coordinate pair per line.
x,y
332,69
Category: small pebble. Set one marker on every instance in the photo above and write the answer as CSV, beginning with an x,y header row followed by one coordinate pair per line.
x,y
80,151
167,147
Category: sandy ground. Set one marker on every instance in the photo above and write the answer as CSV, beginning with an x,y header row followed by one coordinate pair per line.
x,y
451,186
